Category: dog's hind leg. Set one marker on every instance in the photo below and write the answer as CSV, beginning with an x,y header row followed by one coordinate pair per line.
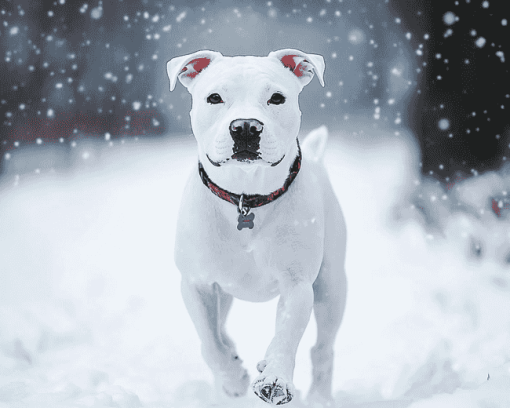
x,y
330,289
328,309
204,304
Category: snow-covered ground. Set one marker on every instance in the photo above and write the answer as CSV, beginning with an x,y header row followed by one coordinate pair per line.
x,y
91,314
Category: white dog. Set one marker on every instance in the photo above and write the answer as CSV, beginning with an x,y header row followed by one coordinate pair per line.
x,y
257,218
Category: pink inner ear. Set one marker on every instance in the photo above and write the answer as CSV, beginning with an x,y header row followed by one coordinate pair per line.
x,y
195,67
288,61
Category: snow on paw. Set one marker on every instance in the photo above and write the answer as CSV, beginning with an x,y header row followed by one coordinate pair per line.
x,y
273,390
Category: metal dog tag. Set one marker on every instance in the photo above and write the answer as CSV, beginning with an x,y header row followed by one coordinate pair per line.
x,y
245,221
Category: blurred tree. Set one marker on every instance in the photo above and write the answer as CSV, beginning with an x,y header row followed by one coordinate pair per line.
x,y
91,68
461,115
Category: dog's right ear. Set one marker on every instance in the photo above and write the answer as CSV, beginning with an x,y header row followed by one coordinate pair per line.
x,y
187,67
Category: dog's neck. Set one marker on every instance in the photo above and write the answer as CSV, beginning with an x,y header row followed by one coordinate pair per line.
x,y
250,179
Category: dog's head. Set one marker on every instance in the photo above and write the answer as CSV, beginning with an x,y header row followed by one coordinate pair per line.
x,y
245,109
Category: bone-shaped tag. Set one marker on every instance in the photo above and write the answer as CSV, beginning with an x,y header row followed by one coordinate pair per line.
x,y
245,221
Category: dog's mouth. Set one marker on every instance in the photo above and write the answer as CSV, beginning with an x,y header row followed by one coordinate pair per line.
x,y
245,156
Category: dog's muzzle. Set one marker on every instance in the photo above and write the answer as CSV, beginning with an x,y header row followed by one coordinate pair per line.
x,y
246,136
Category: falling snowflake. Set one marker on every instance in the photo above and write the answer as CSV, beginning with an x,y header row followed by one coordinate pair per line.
x,y
356,36
444,124
96,13
480,42
449,18
181,17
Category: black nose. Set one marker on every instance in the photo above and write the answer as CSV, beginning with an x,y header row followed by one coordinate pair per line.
x,y
246,136
246,128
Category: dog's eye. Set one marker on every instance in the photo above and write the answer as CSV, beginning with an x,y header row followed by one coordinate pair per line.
x,y
214,99
276,99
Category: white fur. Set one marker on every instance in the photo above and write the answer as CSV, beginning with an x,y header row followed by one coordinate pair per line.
x,y
297,246
315,143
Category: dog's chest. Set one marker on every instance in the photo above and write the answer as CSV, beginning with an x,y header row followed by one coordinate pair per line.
x,y
241,266
214,250
248,263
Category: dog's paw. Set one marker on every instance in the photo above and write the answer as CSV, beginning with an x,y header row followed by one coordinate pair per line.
x,y
273,390
317,400
235,387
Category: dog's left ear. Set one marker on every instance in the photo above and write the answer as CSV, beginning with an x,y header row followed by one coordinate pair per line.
x,y
187,67
303,65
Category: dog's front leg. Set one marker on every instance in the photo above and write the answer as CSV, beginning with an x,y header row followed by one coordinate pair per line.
x,y
204,306
274,384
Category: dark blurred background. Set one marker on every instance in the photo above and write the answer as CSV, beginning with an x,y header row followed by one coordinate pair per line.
x,y
72,70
